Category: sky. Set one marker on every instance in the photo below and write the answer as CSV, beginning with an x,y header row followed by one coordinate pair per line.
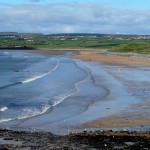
x,y
75,16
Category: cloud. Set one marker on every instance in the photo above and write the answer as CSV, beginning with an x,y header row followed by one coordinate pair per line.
x,y
73,17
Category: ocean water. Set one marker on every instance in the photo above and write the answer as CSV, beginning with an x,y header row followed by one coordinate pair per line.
x,y
30,85
50,92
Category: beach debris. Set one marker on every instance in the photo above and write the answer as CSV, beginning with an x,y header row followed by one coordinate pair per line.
x,y
85,131
119,69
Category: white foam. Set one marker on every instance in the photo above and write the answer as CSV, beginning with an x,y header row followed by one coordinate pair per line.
x,y
40,76
6,53
5,120
61,98
27,113
34,78
31,112
3,108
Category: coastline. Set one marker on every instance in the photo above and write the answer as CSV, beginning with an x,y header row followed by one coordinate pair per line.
x,y
118,120
21,139
103,56
125,119
113,58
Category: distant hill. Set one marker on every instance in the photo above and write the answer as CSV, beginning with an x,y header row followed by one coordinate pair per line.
x,y
21,35
112,42
34,35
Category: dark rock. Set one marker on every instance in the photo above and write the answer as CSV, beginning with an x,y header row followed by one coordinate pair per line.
x,y
8,138
86,140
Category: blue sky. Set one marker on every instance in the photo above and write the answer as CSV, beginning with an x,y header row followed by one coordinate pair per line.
x,y
84,16
133,4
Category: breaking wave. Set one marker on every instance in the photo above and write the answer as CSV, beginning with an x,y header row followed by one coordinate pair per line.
x,y
3,108
61,98
5,120
41,76
28,113
31,112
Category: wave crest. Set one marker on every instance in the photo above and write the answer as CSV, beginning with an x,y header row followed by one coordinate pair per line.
x,y
5,120
31,112
41,76
3,108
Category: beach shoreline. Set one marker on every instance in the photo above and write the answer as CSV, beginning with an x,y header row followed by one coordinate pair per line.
x,y
90,55
27,139
113,58
123,119
103,56
117,120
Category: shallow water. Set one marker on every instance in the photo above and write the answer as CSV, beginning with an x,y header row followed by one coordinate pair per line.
x,y
30,85
50,93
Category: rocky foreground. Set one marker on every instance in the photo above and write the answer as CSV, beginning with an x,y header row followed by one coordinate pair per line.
x,y
13,140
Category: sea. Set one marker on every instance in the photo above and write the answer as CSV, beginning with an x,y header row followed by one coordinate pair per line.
x,y
48,92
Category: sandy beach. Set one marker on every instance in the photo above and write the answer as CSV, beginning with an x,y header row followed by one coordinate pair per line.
x,y
139,117
97,56
123,111
136,115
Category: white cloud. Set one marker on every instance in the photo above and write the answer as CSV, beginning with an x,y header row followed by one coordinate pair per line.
x,y
73,17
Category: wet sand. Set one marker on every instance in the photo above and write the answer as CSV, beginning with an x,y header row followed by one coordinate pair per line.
x,y
98,139
134,116
137,115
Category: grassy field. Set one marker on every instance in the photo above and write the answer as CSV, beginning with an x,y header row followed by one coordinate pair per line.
x,y
114,43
